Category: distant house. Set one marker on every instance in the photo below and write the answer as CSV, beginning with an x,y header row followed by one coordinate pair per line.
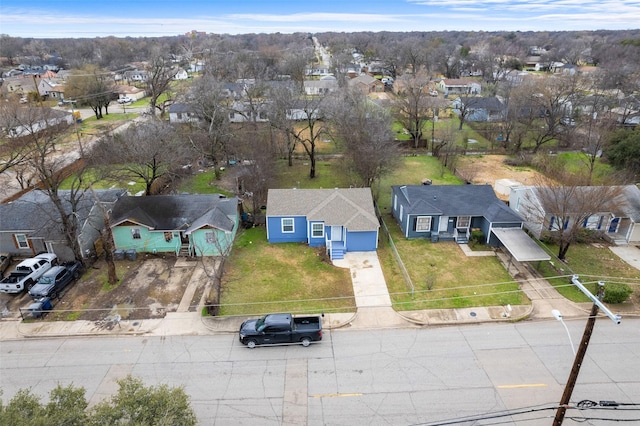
x,y
620,223
34,120
182,113
324,86
317,70
185,225
20,85
479,109
366,84
124,90
140,76
31,224
459,86
242,112
180,74
341,219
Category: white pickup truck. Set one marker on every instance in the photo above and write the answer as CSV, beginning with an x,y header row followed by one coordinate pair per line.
x,y
27,273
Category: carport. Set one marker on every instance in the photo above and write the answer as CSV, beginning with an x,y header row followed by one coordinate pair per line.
x,y
519,245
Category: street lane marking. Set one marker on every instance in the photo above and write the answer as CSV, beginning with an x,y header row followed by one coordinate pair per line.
x,y
530,385
334,395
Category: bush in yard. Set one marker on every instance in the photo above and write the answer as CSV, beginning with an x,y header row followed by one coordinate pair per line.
x,y
616,292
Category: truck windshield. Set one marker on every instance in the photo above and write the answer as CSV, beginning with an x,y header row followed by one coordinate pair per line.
x,y
45,280
260,324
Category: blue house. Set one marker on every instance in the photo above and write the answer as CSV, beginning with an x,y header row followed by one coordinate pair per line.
x,y
341,219
450,212
186,225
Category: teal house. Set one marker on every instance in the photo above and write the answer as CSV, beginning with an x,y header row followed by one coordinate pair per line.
x,y
185,225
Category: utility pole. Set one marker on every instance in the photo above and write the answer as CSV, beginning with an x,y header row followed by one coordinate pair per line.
x,y
582,348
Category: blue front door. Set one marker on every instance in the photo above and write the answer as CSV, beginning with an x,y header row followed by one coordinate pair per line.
x,y
613,226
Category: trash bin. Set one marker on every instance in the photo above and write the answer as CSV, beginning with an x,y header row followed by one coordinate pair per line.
x,y
118,254
131,254
37,308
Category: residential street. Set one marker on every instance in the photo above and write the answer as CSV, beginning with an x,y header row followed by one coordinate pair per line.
x,y
353,377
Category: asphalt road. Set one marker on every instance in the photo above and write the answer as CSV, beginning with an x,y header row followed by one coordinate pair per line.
x,y
353,377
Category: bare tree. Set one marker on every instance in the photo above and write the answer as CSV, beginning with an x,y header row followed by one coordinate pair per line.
x,y
299,117
39,129
412,105
282,97
551,98
159,76
564,207
258,168
211,105
91,86
150,151
365,129
15,149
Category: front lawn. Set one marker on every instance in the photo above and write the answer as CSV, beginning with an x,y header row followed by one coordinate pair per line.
x,y
443,276
261,278
592,263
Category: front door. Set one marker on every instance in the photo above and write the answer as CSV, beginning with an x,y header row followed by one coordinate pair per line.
x,y
336,233
613,225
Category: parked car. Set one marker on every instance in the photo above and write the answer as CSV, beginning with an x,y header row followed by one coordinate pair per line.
x,y
52,282
279,329
27,273
5,261
125,100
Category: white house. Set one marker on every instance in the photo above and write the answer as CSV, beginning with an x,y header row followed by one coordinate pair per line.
x,y
620,223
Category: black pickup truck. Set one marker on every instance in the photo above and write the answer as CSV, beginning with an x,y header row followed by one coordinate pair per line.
x,y
281,329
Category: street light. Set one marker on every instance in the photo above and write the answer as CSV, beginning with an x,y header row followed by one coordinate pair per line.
x,y
557,315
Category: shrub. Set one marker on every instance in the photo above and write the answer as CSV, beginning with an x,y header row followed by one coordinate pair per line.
x,y
477,236
616,292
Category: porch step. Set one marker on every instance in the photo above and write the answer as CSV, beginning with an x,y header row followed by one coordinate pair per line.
x,y
337,251
337,254
184,251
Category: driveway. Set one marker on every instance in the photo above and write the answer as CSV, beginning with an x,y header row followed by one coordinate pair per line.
x,y
630,254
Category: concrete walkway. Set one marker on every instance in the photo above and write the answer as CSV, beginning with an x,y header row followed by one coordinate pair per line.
x,y
374,307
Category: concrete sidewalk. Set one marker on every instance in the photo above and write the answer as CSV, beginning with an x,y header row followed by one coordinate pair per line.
x,y
374,308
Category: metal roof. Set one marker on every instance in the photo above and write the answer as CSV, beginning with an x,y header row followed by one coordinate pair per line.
x,y
520,245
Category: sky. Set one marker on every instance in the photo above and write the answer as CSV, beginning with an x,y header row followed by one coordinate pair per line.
x,y
153,18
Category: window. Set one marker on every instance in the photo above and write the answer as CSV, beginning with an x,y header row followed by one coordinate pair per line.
x,y
463,221
168,236
287,225
401,218
395,202
317,230
423,224
135,233
21,240
210,237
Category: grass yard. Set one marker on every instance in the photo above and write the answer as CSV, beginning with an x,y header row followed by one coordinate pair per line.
x,y
411,172
261,278
592,263
329,174
443,276
202,183
577,163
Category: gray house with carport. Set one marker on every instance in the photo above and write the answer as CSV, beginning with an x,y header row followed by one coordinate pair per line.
x,y
451,212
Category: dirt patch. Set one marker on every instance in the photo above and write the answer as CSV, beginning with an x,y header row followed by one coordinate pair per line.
x,y
488,169
148,287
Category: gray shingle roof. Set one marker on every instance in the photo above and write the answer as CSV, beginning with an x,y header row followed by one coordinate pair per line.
x,y
186,212
350,207
35,213
458,200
